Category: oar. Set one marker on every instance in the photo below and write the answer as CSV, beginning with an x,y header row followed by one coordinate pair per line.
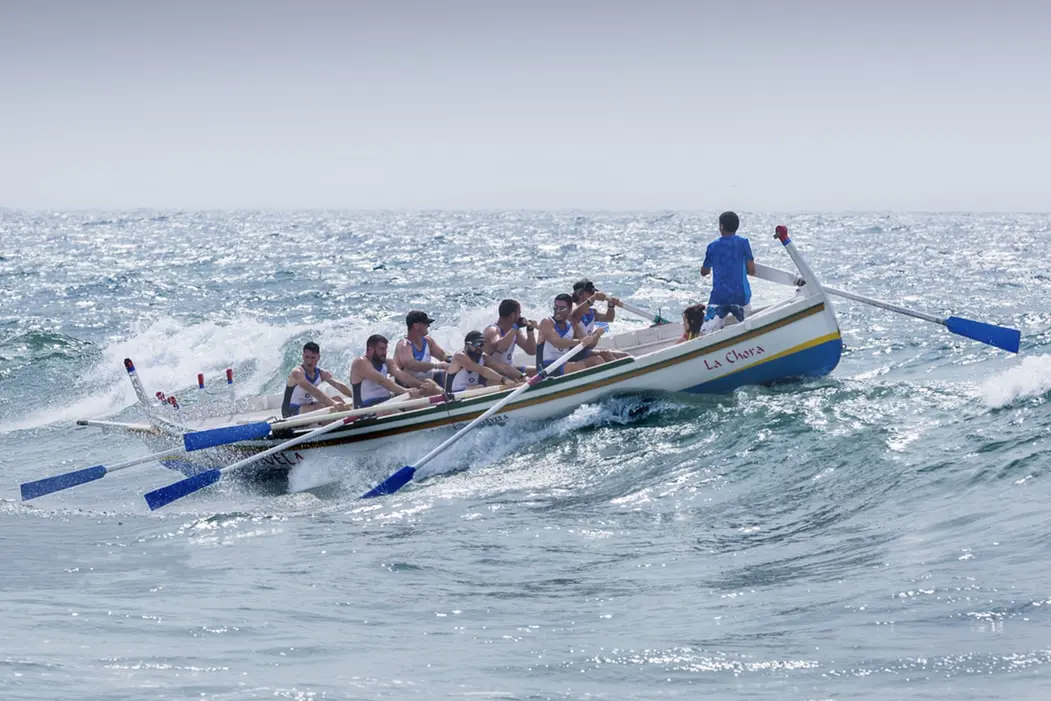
x,y
140,392
402,477
224,435
393,403
1001,337
166,495
655,318
782,277
47,485
135,428
144,402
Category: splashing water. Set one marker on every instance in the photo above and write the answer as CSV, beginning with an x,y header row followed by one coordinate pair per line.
x,y
1030,378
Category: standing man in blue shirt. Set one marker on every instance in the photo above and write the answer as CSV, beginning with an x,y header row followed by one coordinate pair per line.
x,y
729,259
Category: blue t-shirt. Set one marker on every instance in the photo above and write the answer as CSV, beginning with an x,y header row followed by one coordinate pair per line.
x,y
726,257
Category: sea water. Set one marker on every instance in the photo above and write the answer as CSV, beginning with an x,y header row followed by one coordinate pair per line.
x,y
879,533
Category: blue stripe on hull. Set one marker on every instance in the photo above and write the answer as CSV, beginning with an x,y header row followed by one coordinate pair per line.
x,y
812,362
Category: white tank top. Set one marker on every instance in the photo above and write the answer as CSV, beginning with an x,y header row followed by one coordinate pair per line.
x,y
299,395
374,390
467,379
507,356
552,353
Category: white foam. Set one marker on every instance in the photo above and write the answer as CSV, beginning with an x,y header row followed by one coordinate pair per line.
x,y
169,353
484,446
1030,378
313,473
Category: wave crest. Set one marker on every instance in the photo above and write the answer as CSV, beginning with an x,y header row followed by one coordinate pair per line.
x,y
1030,378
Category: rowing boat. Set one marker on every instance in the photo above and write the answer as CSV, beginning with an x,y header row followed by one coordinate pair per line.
x,y
795,338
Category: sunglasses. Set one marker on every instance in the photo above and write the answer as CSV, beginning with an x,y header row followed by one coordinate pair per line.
x,y
476,344
561,307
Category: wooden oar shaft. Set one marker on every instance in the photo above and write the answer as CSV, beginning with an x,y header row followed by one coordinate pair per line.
x,y
402,477
145,458
400,399
883,305
765,272
315,417
57,483
1002,337
98,423
781,277
562,360
655,318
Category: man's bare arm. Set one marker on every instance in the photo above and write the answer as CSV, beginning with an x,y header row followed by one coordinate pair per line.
x,y
528,344
367,371
437,351
547,329
313,390
331,379
406,361
464,361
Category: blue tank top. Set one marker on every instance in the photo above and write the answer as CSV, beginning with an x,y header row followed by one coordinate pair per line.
x,y
423,355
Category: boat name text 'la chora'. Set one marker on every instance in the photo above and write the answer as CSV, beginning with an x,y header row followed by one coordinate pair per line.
x,y
734,356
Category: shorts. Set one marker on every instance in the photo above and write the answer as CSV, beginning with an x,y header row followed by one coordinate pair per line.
x,y
715,317
724,310
581,354
440,377
293,409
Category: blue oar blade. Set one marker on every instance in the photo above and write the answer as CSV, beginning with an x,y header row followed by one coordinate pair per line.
x,y
392,484
1000,336
166,495
197,440
38,488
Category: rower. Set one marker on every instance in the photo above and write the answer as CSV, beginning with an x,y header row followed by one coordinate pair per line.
x,y
558,334
584,296
504,334
302,393
370,380
467,368
413,364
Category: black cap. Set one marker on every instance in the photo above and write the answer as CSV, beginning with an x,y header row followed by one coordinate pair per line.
x,y
473,337
585,284
416,315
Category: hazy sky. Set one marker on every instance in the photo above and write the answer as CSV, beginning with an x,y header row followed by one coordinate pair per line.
x,y
756,105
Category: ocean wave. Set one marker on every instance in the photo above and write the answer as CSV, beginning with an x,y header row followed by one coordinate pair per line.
x,y
1031,378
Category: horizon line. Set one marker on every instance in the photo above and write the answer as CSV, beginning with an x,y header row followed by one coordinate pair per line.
x,y
492,210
